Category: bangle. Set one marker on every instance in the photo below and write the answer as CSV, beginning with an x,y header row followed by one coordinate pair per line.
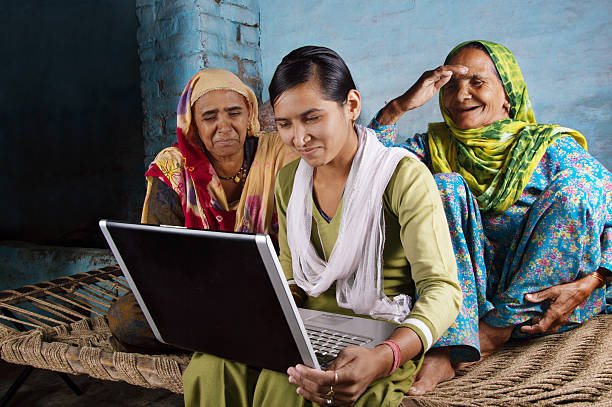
x,y
397,354
597,275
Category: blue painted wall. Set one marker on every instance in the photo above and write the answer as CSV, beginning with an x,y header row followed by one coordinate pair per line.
x,y
177,38
23,264
563,48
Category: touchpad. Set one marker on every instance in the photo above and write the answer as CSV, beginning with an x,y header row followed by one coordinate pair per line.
x,y
328,319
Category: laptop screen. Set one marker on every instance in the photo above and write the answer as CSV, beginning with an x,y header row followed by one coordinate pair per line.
x,y
207,291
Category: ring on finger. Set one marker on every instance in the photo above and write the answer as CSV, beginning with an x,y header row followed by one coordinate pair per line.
x,y
330,393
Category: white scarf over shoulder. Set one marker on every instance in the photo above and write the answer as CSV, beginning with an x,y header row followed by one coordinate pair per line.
x,y
355,263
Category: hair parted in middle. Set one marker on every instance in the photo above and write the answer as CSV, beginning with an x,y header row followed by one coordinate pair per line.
x,y
307,63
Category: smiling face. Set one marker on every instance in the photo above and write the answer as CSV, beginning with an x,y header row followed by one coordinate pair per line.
x,y
321,131
477,98
222,118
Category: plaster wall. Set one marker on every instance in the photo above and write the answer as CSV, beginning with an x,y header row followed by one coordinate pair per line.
x,y
563,48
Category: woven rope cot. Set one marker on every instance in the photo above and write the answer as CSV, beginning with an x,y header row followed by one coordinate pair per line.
x,y
573,368
67,332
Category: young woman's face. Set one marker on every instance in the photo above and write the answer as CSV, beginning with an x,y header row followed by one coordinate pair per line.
x,y
319,130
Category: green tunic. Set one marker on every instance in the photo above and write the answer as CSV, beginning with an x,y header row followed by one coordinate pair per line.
x,y
418,260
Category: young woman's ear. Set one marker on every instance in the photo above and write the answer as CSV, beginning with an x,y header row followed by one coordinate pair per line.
x,y
353,104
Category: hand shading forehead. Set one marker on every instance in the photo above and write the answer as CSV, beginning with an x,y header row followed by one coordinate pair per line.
x,y
478,62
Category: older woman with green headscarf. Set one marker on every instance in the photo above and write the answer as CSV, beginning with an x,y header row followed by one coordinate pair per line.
x,y
529,210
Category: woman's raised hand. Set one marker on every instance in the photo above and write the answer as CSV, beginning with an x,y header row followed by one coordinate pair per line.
x,y
346,379
420,93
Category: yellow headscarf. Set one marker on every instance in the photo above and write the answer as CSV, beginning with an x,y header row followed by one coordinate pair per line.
x,y
208,80
186,168
497,160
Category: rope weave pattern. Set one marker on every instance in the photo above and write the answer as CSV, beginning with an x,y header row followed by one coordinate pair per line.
x,y
573,368
67,332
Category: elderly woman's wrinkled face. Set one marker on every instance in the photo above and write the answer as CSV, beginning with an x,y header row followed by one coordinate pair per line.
x,y
221,118
477,98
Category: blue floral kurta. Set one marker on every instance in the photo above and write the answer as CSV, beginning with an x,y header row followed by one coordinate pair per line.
x,y
558,231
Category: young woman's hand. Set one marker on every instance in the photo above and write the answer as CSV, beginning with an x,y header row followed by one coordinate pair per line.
x,y
420,93
350,375
564,298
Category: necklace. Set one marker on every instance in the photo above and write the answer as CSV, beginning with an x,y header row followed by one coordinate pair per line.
x,y
239,177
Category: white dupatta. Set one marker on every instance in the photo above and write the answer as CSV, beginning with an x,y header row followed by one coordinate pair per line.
x,y
355,263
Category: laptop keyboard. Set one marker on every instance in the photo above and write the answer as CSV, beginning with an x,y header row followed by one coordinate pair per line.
x,y
327,343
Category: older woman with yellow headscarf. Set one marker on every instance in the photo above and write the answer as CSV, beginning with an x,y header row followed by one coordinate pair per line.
x,y
529,210
219,175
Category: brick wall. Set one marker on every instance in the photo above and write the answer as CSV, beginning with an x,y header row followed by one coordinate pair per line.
x,y
176,38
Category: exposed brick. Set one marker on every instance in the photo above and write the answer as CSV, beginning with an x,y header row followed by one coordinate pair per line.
x,y
249,34
176,38
165,8
250,68
211,24
166,28
243,51
210,42
186,43
242,3
149,90
146,53
165,106
207,6
145,15
238,14
216,60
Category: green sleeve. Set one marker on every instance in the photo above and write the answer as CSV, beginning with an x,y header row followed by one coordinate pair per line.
x,y
282,193
412,195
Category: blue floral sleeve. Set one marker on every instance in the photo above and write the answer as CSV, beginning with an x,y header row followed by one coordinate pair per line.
x,y
388,134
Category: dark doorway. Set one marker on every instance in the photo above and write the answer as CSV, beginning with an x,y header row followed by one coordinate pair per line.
x,y
70,119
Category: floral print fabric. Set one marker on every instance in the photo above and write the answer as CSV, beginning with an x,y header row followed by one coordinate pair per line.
x,y
559,230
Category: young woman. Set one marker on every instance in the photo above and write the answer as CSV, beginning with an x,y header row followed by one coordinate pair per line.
x,y
362,231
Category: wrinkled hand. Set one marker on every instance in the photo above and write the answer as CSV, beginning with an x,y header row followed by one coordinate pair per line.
x,y
564,299
356,367
420,93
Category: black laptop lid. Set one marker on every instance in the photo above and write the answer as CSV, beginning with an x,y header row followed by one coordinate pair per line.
x,y
207,291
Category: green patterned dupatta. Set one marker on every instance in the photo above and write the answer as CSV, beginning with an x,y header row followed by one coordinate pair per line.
x,y
497,160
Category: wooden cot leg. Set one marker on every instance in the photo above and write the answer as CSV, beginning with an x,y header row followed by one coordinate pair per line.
x,y
15,386
70,383
23,376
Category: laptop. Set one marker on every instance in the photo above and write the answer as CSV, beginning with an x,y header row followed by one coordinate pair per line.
x,y
225,294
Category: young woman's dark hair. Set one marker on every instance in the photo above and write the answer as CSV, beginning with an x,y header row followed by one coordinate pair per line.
x,y
311,62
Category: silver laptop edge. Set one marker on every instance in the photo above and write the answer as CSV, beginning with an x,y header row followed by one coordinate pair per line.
x,y
128,277
293,315
283,293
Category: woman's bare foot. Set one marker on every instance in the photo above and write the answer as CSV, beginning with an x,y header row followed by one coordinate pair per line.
x,y
436,369
492,337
